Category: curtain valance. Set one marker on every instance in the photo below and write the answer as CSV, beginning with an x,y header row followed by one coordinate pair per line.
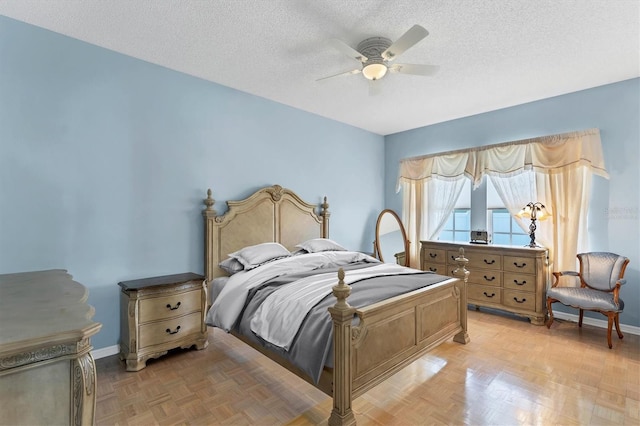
x,y
546,154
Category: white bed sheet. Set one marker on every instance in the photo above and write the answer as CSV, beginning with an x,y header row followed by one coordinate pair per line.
x,y
228,304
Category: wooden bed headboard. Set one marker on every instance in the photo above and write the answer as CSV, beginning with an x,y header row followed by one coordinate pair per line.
x,y
271,214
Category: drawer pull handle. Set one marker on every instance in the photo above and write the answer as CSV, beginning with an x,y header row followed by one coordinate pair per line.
x,y
492,294
433,269
433,255
519,301
489,263
519,266
489,279
173,308
518,283
168,330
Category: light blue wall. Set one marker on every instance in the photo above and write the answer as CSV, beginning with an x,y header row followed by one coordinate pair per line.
x,y
615,203
105,160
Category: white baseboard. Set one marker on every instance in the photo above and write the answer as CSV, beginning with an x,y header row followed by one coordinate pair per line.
x,y
105,352
595,322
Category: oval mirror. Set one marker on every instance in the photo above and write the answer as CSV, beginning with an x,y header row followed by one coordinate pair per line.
x,y
391,242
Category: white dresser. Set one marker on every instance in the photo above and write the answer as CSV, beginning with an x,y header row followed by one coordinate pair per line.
x,y
508,278
47,373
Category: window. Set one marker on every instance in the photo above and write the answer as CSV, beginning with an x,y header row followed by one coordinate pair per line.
x,y
458,226
505,230
483,210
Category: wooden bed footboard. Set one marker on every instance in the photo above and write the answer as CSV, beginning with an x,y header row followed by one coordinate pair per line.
x,y
391,334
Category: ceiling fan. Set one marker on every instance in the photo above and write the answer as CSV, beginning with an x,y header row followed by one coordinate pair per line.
x,y
377,53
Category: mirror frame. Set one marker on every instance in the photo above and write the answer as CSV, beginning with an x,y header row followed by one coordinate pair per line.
x,y
378,252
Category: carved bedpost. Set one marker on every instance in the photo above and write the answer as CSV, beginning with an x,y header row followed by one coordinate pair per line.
x,y
209,215
342,315
324,213
462,273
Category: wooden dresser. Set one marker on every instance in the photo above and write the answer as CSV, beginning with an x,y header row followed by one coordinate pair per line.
x,y
512,279
161,313
47,373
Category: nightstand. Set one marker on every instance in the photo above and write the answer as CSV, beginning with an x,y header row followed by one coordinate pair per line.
x,y
161,313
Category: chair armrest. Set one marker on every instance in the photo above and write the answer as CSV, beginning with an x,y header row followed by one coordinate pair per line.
x,y
559,274
571,273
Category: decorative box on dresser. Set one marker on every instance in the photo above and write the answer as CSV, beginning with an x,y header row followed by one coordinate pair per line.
x,y
161,313
508,278
47,373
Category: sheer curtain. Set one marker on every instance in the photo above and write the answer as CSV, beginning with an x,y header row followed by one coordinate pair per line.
x,y
554,170
430,187
426,208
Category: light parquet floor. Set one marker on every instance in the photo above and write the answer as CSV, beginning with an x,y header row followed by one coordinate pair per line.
x,y
511,373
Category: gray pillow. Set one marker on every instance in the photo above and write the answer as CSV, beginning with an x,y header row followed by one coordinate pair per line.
x,y
320,244
254,256
231,265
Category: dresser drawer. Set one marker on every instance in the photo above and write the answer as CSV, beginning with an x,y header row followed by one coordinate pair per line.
x,y
519,300
484,293
431,256
524,265
436,268
521,282
155,308
486,277
165,331
478,260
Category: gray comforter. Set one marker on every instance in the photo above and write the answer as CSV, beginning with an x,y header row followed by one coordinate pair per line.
x,y
312,348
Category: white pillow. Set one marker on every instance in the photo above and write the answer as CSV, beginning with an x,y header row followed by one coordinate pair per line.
x,y
231,265
316,245
254,256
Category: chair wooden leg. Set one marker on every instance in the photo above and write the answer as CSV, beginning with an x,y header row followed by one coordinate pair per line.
x,y
609,325
617,322
549,302
581,315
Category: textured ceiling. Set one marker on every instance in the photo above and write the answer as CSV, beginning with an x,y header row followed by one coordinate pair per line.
x,y
492,54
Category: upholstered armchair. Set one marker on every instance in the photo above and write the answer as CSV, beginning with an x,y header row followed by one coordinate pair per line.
x,y
601,277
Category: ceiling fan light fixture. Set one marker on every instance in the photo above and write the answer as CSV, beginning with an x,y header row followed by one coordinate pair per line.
x,y
374,71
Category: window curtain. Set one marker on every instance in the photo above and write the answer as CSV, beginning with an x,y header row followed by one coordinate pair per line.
x,y
441,197
555,170
430,187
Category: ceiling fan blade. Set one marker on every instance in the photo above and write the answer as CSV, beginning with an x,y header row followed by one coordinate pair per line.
x,y
408,39
414,69
350,72
348,50
375,88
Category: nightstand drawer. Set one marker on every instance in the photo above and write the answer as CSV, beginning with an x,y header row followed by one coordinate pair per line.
x,y
519,299
524,265
169,306
521,282
159,332
484,293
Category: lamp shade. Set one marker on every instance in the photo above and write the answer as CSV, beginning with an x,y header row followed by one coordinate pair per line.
x,y
534,210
